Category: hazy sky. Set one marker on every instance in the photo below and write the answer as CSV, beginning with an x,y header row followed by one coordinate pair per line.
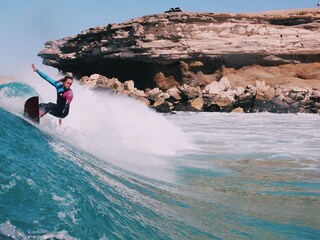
x,y
27,24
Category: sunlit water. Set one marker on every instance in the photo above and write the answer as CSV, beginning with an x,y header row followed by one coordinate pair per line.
x,y
117,170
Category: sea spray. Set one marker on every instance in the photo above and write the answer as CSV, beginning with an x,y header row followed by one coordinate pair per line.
x,y
117,129
13,96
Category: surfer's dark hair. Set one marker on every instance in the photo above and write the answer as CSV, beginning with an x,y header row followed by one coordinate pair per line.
x,y
65,79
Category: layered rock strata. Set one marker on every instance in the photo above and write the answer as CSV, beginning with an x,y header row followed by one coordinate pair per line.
x,y
193,52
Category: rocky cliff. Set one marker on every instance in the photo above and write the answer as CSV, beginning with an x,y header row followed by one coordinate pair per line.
x,y
196,49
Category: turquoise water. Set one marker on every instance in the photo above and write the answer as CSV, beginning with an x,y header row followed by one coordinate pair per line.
x,y
130,173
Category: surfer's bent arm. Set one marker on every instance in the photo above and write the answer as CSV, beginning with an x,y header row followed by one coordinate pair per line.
x,y
48,79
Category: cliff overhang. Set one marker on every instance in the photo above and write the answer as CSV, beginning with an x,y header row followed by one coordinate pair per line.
x,y
142,48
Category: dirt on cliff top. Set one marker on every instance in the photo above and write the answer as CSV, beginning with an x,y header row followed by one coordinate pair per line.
x,y
288,12
289,75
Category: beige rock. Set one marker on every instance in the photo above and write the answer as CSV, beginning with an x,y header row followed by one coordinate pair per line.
x,y
129,85
162,105
239,91
118,85
197,103
223,101
175,93
264,92
238,110
140,93
144,100
165,82
196,64
217,87
94,77
191,92
298,89
158,102
84,80
154,94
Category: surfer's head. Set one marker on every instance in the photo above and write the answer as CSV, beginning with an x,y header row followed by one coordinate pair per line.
x,y
67,81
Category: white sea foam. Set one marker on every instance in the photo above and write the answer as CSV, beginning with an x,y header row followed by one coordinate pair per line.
x,y
260,136
11,103
116,129
119,130
11,231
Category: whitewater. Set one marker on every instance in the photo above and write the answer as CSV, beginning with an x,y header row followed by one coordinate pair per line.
x,y
118,170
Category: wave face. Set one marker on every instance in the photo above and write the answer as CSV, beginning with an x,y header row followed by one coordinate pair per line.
x,y
48,186
117,170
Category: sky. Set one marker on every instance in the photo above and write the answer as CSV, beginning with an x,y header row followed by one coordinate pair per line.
x,y
27,24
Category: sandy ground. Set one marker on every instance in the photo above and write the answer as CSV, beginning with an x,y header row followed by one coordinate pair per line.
x,y
285,12
290,75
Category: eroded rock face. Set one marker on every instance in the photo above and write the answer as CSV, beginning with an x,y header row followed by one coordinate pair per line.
x,y
166,50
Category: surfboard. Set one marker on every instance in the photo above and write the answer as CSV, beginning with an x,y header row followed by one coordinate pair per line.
x,y
31,109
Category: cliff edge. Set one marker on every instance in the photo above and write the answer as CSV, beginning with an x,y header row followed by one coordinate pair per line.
x,y
182,48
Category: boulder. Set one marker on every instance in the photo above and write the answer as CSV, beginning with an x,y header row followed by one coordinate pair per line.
x,y
139,93
197,103
144,100
164,82
223,102
154,94
238,110
191,92
245,101
129,86
315,96
84,80
161,105
174,93
217,87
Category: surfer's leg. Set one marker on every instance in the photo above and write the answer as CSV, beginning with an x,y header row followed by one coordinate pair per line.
x,y
54,110
42,109
45,108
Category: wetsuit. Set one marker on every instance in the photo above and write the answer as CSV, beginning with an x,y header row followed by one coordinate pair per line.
x,y
64,98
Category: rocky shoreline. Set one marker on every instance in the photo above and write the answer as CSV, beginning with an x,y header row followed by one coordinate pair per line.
x,y
217,96
202,61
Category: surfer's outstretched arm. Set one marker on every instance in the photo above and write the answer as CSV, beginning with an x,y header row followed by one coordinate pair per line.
x,y
45,77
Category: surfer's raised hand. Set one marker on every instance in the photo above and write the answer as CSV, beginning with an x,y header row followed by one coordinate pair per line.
x,y
34,67
60,122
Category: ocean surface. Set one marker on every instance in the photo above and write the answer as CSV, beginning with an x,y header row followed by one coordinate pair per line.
x,y
118,170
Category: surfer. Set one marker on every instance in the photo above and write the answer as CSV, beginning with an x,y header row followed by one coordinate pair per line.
x,y
64,96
